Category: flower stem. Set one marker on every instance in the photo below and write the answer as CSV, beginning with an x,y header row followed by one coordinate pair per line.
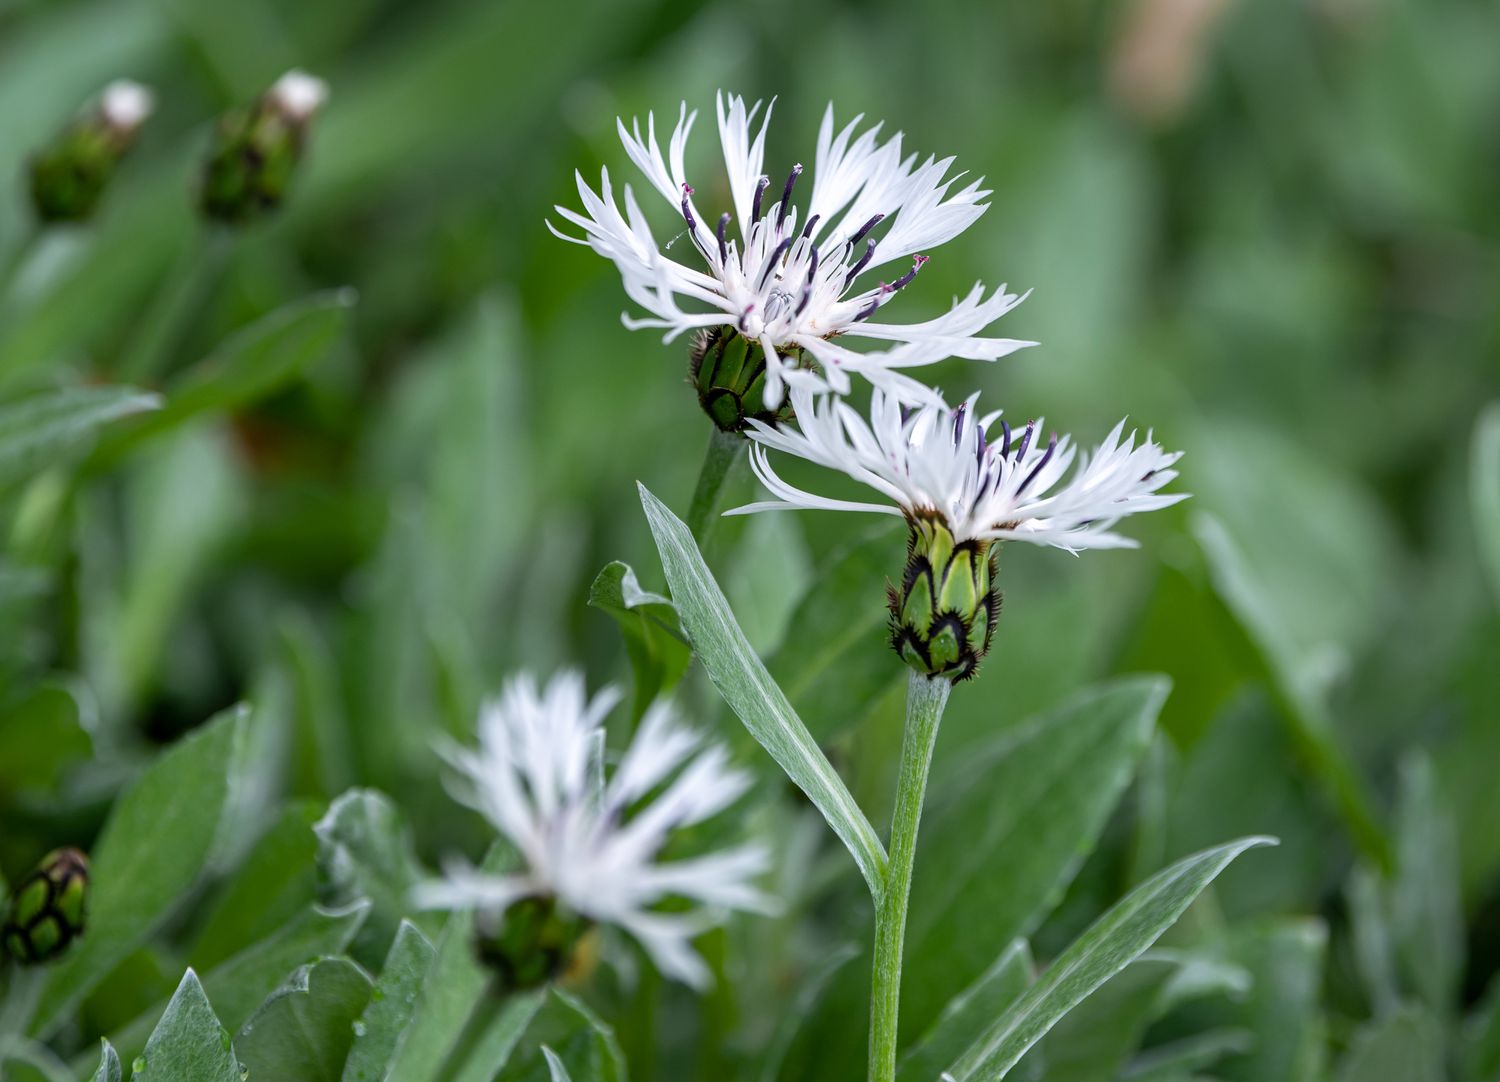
x,y
925,698
724,450
197,266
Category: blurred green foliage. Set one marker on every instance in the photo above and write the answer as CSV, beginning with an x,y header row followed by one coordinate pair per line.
x,y
401,427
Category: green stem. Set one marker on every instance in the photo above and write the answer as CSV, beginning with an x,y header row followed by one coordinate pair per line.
x,y
19,254
925,698
176,301
724,450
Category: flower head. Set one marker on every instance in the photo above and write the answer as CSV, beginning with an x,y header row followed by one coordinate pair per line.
x,y
589,846
961,493
791,280
937,460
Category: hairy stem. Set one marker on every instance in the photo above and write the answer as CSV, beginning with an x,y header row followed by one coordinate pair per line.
x,y
724,450
925,699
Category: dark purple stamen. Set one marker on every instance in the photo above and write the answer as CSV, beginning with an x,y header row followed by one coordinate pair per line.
x,y
1046,457
807,288
760,189
786,194
687,210
1004,439
862,230
771,261
854,270
905,279
1026,440
723,247
958,422
869,310
812,223
744,316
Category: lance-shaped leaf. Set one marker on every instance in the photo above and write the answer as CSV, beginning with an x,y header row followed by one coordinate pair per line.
x,y
391,1005
38,430
747,687
1107,947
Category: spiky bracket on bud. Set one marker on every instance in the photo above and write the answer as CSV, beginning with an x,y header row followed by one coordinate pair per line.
x,y
47,908
729,372
943,615
533,942
68,178
256,150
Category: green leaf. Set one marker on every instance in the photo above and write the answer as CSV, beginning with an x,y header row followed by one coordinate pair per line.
x,y
1285,959
40,735
306,1027
1185,1058
747,687
1102,951
555,1066
38,430
969,1012
499,1038
150,852
1018,819
241,983
391,1005
246,367
799,1009
1427,916
658,649
1295,683
1484,491
364,851
275,881
604,1061
454,985
188,1042
1406,1047
109,1063
835,662
1095,1039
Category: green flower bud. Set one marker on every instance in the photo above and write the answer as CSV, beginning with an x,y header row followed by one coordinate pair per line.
x,y
729,372
943,616
68,178
256,150
533,942
47,908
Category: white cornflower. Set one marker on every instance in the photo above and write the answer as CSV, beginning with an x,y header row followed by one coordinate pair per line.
x,y
789,280
938,460
592,845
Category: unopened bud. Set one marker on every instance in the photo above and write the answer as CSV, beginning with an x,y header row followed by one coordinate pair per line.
x,y
729,373
256,149
533,942
47,908
69,177
943,615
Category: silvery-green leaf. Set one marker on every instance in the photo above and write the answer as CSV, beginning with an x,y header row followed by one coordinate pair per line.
x,y
151,850
1102,951
391,1005
747,687
305,1028
189,1042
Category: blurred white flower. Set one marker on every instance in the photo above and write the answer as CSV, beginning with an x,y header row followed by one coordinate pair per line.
x,y
592,845
125,105
937,459
791,281
298,95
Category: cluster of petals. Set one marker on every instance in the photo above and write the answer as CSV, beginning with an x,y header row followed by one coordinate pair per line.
x,y
538,776
987,480
797,280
